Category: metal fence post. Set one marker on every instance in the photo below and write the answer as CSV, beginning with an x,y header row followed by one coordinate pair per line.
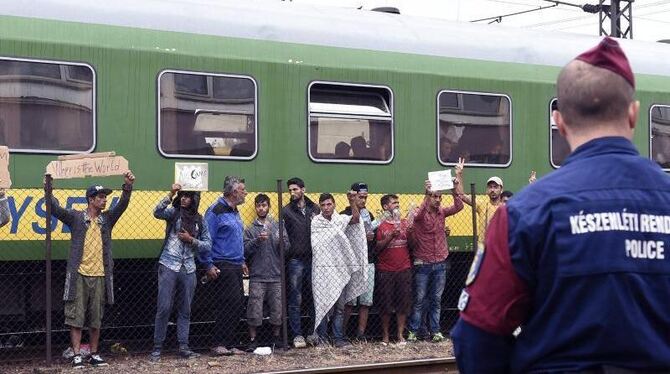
x,y
473,194
47,200
283,264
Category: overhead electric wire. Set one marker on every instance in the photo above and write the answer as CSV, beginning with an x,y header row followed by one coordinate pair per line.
x,y
500,17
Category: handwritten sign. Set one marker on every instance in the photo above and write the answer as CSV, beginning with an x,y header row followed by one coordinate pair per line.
x,y
440,180
5,178
193,176
89,165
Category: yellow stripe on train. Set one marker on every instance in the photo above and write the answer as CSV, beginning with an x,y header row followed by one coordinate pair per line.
x,y
28,212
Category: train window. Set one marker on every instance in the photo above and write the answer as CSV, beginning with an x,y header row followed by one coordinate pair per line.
x,y
659,127
350,123
475,126
47,107
558,146
207,115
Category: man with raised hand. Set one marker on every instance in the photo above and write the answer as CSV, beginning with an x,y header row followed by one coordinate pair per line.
x,y
578,264
486,208
89,274
430,257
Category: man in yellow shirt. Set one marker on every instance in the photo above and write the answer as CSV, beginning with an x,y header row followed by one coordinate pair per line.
x,y
88,278
486,207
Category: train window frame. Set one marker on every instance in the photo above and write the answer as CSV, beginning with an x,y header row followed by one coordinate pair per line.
x,y
483,93
66,79
651,136
391,118
201,97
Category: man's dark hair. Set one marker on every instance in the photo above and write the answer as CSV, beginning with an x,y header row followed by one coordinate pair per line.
x,y
342,150
507,194
261,198
295,180
588,95
358,146
387,199
325,196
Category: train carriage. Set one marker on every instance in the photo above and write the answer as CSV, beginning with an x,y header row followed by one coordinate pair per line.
x,y
269,91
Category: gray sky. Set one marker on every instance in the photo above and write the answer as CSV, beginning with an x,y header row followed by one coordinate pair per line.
x,y
651,18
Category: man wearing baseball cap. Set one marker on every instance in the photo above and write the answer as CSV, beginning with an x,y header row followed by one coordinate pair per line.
x,y
579,265
486,208
88,277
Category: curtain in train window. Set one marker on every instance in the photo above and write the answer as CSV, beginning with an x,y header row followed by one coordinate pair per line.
x,y
207,115
46,107
350,123
474,126
660,135
560,149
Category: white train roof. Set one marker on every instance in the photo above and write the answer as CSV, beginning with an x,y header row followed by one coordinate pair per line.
x,y
339,27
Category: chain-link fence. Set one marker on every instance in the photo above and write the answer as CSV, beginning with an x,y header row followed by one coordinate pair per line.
x,y
296,278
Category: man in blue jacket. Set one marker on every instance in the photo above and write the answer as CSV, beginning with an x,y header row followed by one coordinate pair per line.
x,y
224,264
577,259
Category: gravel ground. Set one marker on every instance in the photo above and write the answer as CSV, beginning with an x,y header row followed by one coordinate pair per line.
x,y
249,363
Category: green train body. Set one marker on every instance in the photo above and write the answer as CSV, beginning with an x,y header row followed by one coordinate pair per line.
x,y
281,56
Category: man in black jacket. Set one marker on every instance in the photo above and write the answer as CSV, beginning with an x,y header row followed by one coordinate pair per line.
x,y
297,216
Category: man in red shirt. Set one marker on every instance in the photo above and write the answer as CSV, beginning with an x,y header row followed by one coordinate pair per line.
x,y
430,255
394,271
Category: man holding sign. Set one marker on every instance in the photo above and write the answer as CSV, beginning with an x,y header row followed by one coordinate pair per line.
x,y
430,255
88,278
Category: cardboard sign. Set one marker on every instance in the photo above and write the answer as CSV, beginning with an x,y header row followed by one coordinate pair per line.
x,y
89,165
440,180
5,178
193,176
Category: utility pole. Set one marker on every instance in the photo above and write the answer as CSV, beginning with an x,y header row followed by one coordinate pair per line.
x,y
620,14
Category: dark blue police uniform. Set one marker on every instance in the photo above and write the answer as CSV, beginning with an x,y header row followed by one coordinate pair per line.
x,y
581,261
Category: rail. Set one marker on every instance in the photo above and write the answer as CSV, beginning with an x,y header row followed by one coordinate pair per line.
x,y
432,365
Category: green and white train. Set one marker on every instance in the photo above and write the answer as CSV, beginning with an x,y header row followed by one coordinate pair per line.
x,y
267,91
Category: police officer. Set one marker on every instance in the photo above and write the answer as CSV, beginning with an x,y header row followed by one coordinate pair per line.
x,y
577,259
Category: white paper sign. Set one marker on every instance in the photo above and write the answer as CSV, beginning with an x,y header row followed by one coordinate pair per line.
x,y
440,180
5,178
193,176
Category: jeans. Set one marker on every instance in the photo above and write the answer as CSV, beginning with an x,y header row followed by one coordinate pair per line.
x,y
228,289
168,282
429,281
336,314
299,275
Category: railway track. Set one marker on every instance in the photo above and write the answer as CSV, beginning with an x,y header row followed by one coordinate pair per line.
x,y
432,365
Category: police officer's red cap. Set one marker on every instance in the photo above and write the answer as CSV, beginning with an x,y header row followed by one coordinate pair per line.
x,y
609,55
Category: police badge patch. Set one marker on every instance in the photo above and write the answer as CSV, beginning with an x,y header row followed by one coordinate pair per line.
x,y
476,264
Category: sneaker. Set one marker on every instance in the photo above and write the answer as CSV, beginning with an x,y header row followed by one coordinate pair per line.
x,y
96,361
361,339
342,344
155,355
252,345
411,337
278,342
187,353
77,362
221,351
299,342
438,337
312,340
